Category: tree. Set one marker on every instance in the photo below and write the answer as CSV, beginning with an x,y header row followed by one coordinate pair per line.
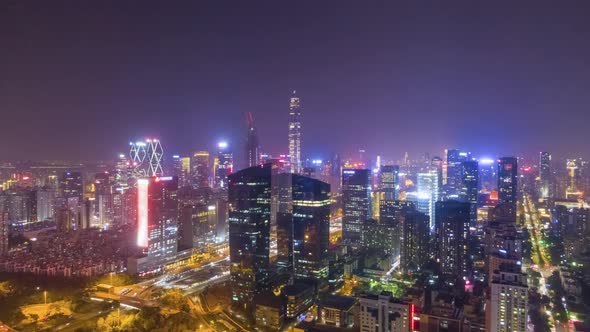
x,y
5,289
148,319
180,322
174,299
116,322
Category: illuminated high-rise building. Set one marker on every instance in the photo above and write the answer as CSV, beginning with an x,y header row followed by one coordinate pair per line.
x,y
45,203
175,166
249,196
453,179
428,187
436,164
185,171
451,231
573,178
71,185
303,226
488,174
224,165
469,187
103,199
147,156
157,223
507,309
415,239
200,169
181,169
252,143
295,133
389,181
508,185
545,176
356,201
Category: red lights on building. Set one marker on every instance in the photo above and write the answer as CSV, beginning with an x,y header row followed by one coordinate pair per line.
x,y
412,313
142,212
494,195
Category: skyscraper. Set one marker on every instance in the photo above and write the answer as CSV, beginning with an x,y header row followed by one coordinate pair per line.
x,y
452,180
507,185
389,181
45,203
249,195
573,178
415,238
185,172
311,227
252,143
147,156
157,222
488,174
295,133
356,201
181,169
103,199
469,187
224,165
71,185
451,229
545,174
428,186
175,166
200,169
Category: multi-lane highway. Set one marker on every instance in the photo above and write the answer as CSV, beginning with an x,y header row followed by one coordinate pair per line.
x,y
540,255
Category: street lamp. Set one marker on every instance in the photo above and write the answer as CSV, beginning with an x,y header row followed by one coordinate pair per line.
x,y
45,296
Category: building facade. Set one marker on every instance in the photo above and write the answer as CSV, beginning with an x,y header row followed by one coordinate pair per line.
x,y
295,133
249,195
356,201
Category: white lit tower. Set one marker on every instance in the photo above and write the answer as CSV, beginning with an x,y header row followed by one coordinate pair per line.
x,y
295,133
137,155
147,157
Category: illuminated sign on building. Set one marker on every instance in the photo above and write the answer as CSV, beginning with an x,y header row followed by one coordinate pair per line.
x,y
142,212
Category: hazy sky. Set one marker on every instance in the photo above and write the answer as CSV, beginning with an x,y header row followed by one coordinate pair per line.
x,y
79,79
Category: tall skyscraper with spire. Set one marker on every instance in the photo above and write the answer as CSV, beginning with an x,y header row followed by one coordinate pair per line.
x,y
252,144
295,133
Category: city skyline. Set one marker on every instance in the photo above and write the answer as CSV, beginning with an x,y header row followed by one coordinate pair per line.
x,y
304,166
418,85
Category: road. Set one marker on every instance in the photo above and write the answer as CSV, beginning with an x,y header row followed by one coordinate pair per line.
x,y
4,327
540,256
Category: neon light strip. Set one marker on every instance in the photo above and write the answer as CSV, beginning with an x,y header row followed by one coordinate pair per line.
x,y
142,212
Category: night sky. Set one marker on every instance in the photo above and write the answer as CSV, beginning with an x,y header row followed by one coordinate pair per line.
x,y
79,80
